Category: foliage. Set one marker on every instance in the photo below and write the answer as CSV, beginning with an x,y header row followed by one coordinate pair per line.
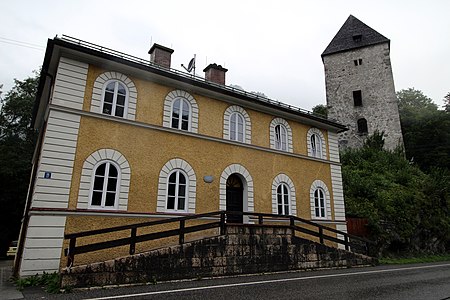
x,y
320,110
16,150
426,130
414,259
407,210
375,141
447,102
51,281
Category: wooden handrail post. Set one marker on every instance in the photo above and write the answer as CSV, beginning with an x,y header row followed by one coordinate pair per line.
x,y
133,240
260,220
71,252
181,239
321,235
346,242
222,223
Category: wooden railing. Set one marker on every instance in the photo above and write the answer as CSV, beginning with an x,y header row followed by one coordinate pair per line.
x,y
217,219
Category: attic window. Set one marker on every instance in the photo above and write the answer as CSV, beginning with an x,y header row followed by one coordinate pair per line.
x,y
357,62
357,37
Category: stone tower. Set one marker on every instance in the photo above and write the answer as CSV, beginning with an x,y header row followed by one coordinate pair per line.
x,y
360,86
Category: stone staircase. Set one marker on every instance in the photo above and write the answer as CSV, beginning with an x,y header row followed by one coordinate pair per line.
x,y
244,249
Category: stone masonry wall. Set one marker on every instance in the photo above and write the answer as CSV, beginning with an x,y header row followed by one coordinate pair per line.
x,y
245,249
379,103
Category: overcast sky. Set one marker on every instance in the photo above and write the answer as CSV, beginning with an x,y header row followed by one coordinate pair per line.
x,y
272,47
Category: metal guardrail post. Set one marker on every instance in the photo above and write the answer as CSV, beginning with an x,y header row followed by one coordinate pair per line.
x,y
260,220
133,241
321,235
71,252
222,223
346,242
181,239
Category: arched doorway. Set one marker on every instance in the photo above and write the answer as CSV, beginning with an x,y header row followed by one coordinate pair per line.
x,y
235,198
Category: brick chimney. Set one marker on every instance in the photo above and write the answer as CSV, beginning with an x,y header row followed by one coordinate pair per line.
x,y
160,55
215,73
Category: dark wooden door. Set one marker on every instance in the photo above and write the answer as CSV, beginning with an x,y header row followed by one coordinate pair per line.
x,y
235,199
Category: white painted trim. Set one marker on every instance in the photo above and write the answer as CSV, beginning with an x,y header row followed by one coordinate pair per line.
x,y
87,174
167,114
247,181
322,153
99,90
333,144
282,122
57,157
247,123
319,184
279,179
43,245
70,83
166,170
338,192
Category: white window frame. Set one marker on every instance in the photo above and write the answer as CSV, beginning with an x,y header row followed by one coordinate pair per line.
x,y
316,185
236,131
176,164
284,188
105,184
247,128
318,205
320,149
283,179
114,104
281,137
168,109
183,101
273,135
177,189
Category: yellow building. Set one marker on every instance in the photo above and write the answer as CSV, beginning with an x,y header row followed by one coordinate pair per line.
x,y
124,140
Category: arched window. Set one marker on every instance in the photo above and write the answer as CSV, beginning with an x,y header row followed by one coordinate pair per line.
x,y
280,137
237,127
362,126
176,191
319,203
316,146
180,111
114,98
176,187
104,190
283,195
181,114
283,199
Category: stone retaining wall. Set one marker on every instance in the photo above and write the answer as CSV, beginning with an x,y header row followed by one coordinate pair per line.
x,y
244,249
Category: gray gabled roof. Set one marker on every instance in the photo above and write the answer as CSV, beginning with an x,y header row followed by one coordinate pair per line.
x,y
354,34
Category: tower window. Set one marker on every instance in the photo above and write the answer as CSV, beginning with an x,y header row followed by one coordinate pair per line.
x,y
357,62
357,98
357,37
362,126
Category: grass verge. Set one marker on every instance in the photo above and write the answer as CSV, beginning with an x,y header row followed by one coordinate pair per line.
x,y
414,259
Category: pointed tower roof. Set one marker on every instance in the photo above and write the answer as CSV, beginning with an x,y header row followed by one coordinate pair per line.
x,y
354,34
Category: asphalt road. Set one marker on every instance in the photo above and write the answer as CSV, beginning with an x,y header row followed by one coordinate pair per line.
x,y
418,281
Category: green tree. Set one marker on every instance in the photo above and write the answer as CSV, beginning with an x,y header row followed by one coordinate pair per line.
x,y
408,210
16,149
447,102
320,110
426,130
